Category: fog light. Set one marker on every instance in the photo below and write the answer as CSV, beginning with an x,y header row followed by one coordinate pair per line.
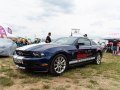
x,y
44,65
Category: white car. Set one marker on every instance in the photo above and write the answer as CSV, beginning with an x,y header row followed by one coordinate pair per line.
x,y
7,47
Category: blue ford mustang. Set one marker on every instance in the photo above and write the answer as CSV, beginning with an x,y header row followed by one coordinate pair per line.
x,y
57,56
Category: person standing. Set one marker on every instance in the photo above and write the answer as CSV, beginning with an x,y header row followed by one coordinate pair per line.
x,y
85,35
48,38
115,44
119,47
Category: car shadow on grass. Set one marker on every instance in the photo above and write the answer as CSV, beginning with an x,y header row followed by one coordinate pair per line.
x,y
69,73
4,57
36,74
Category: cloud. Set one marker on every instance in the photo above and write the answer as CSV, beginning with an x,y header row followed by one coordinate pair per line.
x,y
38,17
98,23
52,8
56,6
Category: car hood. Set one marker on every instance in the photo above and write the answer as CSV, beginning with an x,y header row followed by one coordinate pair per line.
x,y
39,47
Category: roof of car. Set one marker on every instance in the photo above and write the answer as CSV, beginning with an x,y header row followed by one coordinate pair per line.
x,y
78,36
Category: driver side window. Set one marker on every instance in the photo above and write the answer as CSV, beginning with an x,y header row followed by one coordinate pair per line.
x,y
86,42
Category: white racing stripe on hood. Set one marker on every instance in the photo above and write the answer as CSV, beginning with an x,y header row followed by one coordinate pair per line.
x,y
28,46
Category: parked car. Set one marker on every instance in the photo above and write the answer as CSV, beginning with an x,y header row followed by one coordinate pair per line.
x,y
102,43
57,56
7,47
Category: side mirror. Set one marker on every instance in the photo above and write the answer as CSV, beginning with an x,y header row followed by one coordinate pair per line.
x,y
79,44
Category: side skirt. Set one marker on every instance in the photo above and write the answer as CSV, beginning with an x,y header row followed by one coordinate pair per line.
x,y
81,60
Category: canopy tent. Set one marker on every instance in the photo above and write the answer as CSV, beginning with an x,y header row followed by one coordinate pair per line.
x,y
112,36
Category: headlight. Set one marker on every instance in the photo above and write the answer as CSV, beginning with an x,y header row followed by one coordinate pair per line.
x,y
38,54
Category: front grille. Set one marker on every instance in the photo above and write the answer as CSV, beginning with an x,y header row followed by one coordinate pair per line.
x,y
29,63
24,53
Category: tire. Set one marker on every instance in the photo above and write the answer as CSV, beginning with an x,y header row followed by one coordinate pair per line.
x,y
98,59
58,65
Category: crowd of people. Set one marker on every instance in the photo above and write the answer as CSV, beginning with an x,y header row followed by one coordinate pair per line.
x,y
23,41
113,46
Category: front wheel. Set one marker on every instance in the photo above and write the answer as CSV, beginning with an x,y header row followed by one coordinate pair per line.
x,y
58,65
98,59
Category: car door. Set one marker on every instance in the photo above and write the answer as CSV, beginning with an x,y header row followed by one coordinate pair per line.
x,y
83,51
94,48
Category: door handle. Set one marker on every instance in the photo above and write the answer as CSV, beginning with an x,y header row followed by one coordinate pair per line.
x,y
89,50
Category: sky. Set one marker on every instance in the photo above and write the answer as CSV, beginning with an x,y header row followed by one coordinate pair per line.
x,y
35,18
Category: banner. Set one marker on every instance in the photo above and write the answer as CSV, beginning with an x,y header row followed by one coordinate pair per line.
x,y
2,32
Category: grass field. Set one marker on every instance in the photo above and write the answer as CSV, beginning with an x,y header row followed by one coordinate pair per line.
x,y
89,77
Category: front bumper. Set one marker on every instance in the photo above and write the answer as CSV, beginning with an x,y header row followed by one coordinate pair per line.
x,y
34,64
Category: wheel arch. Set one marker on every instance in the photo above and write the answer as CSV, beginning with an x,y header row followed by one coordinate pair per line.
x,y
52,59
68,57
61,52
99,51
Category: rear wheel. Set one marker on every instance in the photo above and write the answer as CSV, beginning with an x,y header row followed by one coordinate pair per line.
x,y
58,65
98,59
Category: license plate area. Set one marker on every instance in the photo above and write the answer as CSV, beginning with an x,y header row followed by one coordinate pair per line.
x,y
18,60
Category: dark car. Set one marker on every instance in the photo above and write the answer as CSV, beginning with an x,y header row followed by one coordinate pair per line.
x,y
57,56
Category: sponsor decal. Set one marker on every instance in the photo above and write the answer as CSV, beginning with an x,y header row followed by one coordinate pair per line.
x,y
81,60
79,55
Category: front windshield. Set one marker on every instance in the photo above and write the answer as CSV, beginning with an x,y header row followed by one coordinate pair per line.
x,y
65,40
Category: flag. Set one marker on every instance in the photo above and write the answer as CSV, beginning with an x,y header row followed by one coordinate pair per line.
x,y
2,32
9,30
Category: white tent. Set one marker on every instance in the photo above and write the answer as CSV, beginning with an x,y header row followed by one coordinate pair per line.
x,y
112,36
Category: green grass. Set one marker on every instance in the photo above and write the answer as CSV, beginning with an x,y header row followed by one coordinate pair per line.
x,y
90,86
59,88
110,68
4,81
67,86
46,86
93,82
87,76
46,81
76,81
16,74
5,69
30,80
35,89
